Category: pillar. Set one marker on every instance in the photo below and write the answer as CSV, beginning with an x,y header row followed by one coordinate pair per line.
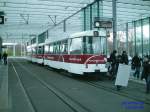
x,y
114,9
14,50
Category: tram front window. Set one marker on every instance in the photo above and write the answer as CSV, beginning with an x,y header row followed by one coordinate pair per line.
x,y
75,46
93,45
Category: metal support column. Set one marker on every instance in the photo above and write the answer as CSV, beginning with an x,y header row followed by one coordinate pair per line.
x,y
97,8
84,19
64,26
14,50
142,35
101,8
114,9
127,40
0,46
21,44
107,32
135,36
149,35
90,17
24,49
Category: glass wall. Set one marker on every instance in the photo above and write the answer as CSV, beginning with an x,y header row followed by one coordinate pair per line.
x,y
138,32
146,36
138,38
87,13
131,39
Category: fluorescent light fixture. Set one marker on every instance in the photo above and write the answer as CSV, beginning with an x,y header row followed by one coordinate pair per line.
x,y
9,43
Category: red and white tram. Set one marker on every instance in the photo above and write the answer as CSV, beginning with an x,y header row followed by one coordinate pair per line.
x,y
81,53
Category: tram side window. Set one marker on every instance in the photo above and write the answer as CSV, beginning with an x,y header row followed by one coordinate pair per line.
x,y
41,50
29,51
97,45
46,49
51,48
75,46
87,45
84,45
34,50
54,48
58,47
64,47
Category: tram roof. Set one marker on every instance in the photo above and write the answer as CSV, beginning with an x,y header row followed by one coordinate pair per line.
x,y
88,33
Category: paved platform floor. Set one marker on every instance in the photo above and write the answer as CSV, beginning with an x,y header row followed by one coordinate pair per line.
x,y
3,88
34,88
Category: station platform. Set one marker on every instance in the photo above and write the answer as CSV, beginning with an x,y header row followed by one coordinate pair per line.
x,y
3,88
35,88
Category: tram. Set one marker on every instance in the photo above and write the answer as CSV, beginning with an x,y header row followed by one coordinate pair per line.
x,y
80,53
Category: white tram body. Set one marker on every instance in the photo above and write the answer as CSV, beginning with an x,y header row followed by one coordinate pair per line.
x,y
81,53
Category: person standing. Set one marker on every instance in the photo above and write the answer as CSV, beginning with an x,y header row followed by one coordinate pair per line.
x,y
136,62
124,58
5,58
0,57
146,73
113,60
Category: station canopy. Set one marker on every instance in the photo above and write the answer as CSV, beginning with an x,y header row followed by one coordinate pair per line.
x,y
28,17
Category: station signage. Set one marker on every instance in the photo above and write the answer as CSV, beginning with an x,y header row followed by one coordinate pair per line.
x,y
102,22
1,19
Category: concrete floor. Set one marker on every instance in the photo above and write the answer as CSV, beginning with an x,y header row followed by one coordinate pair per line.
x,y
36,88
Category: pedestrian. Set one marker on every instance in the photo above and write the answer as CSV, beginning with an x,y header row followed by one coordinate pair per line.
x,y
146,73
124,58
0,57
113,60
5,58
136,62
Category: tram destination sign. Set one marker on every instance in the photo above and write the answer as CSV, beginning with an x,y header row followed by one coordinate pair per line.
x,y
102,22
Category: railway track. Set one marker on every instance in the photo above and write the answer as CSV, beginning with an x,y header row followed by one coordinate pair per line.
x,y
113,90
73,104
99,85
67,100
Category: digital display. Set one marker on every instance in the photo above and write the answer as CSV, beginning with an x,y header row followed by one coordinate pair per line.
x,y
103,24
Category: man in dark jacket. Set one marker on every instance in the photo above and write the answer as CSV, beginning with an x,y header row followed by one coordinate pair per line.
x,y
136,62
146,73
5,58
113,60
124,58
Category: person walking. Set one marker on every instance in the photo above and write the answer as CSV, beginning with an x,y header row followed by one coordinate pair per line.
x,y
113,60
146,73
136,62
0,57
5,58
124,58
